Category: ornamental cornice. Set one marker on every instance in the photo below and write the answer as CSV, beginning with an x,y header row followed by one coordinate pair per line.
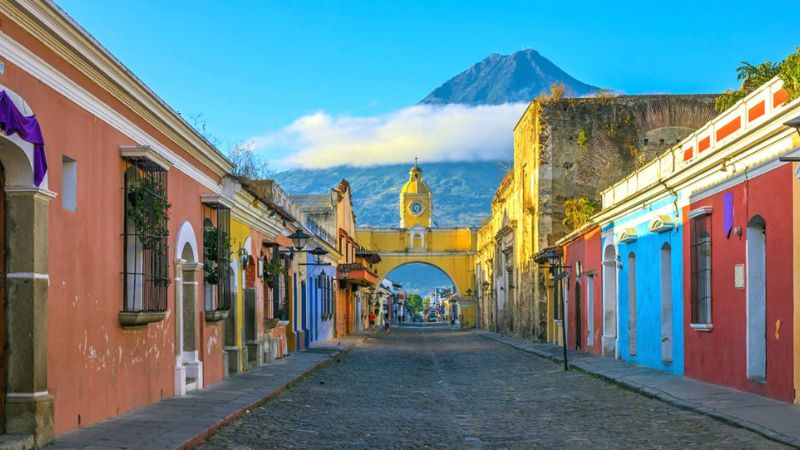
x,y
51,26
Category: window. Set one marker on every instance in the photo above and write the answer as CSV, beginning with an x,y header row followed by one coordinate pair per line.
x,y
701,269
69,184
146,263
217,260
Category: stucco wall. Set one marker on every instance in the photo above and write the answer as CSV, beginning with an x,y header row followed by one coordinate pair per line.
x,y
647,251
725,346
95,368
586,251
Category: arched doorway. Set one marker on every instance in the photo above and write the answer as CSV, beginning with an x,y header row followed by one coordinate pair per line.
x,y
609,301
250,327
666,304
757,299
25,283
632,304
188,367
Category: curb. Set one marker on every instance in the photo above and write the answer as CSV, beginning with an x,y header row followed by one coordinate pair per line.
x,y
658,395
205,434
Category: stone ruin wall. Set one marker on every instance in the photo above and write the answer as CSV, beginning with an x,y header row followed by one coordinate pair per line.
x,y
620,134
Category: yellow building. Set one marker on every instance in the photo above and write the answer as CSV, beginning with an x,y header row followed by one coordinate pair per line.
x,y
418,240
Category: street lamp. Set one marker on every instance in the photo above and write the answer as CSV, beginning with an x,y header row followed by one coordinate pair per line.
x,y
344,269
552,257
299,239
319,253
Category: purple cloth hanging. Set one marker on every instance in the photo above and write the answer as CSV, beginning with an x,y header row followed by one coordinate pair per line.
x,y
727,213
27,127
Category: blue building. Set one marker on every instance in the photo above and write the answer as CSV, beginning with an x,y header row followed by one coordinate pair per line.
x,y
649,281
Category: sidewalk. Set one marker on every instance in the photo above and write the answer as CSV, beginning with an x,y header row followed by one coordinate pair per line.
x,y
184,422
773,419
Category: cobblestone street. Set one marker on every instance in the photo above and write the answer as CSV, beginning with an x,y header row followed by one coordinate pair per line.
x,y
436,388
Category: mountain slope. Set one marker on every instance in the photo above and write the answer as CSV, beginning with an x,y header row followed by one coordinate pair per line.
x,y
462,191
519,77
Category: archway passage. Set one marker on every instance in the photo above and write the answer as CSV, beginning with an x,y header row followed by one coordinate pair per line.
x,y
430,293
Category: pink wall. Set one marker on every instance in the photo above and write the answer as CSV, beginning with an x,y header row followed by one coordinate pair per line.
x,y
96,369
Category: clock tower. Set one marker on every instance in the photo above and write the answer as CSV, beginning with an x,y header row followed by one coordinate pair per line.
x,y
415,201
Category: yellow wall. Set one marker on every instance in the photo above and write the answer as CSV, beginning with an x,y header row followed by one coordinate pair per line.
x,y
450,249
239,234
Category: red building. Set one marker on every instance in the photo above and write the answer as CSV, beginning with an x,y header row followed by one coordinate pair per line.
x,y
584,290
739,284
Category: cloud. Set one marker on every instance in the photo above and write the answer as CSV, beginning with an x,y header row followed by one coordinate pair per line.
x,y
430,132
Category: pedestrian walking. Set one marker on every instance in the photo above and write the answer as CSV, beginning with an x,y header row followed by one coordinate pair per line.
x,y
387,324
371,320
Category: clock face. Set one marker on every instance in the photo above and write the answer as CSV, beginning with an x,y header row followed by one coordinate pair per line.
x,y
416,208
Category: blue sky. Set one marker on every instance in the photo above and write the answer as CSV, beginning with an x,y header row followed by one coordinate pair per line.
x,y
254,69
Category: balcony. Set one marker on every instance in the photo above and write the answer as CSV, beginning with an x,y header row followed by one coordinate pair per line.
x,y
356,273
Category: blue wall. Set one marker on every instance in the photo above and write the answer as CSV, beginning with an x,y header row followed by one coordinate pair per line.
x,y
647,249
316,328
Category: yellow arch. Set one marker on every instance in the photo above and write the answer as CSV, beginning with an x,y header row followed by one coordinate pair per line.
x,y
386,267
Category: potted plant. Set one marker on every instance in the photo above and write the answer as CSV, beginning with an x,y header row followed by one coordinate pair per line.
x,y
272,271
216,247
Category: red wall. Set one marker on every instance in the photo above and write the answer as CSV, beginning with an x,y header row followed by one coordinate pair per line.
x,y
586,250
719,356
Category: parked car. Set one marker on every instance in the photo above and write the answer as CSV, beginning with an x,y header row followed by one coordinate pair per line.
x,y
432,317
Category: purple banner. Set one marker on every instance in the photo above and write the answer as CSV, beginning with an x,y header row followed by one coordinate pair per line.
x,y
27,127
727,213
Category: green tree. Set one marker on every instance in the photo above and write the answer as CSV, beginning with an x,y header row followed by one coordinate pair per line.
x,y
577,211
753,76
414,301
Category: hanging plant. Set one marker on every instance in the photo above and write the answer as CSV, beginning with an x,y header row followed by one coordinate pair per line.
x,y
149,212
216,248
272,271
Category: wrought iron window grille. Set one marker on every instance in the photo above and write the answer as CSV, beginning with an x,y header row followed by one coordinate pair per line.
x,y
145,237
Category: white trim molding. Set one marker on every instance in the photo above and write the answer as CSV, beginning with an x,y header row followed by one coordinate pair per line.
x,y
702,211
29,62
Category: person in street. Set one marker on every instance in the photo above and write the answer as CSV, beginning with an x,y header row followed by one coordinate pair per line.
x,y
371,320
387,324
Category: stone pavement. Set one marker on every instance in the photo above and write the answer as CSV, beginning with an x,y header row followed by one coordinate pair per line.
x,y
184,422
435,387
774,419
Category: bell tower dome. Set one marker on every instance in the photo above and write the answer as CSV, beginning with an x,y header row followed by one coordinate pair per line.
x,y
415,201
